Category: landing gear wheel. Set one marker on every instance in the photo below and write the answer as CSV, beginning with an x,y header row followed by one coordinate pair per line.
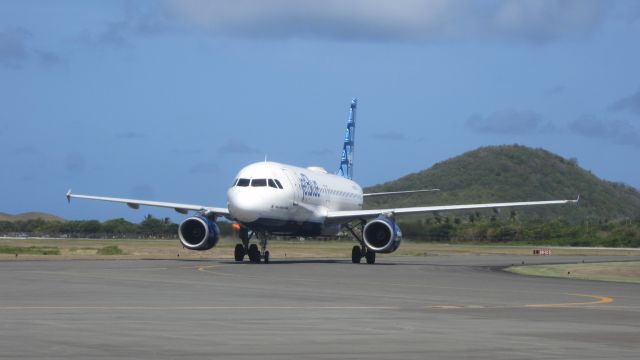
x,y
356,255
266,257
239,253
370,256
254,254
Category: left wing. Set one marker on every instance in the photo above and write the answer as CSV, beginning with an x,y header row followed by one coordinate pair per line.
x,y
135,204
348,215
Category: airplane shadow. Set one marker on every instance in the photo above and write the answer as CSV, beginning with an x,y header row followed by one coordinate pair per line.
x,y
308,261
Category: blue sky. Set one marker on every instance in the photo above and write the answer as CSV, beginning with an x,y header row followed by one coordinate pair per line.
x,y
167,100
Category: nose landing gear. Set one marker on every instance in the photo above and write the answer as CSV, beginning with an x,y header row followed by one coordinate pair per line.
x,y
255,254
239,252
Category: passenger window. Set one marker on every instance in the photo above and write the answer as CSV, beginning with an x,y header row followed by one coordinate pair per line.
x,y
278,183
259,182
272,183
243,182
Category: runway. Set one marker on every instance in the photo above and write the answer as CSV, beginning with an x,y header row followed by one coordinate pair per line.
x,y
444,307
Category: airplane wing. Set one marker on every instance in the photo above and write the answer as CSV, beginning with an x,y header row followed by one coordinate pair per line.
x,y
348,215
398,192
135,204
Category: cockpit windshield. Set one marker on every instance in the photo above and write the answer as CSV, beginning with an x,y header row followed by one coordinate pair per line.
x,y
273,183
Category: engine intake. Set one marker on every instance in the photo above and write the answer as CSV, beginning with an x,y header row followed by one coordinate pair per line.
x,y
382,235
198,233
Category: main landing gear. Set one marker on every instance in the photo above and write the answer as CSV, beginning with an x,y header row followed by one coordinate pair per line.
x,y
255,254
360,251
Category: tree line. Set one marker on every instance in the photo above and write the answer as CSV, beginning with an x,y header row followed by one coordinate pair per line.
x,y
510,230
472,228
150,227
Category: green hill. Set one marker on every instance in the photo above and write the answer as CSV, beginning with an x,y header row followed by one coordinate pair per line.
x,y
30,216
515,173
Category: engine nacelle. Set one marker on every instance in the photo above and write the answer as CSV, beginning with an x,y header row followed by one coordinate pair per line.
x,y
198,233
382,235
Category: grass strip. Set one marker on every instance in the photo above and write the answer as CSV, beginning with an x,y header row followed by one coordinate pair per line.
x,y
607,271
110,250
31,250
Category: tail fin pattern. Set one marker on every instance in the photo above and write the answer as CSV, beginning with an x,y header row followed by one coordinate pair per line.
x,y
346,160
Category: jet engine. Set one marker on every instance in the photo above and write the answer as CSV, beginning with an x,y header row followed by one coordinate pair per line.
x,y
382,235
199,233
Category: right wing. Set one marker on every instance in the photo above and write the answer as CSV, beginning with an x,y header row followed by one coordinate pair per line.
x,y
398,192
135,204
348,215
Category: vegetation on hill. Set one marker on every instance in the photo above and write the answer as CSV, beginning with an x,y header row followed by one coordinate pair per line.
x,y
478,229
30,216
515,173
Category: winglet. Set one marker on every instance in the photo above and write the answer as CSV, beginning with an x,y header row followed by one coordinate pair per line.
x,y
69,196
578,199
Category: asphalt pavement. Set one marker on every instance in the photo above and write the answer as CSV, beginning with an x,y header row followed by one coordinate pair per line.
x,y
440,307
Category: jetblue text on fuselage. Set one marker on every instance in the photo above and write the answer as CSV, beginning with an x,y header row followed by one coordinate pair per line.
x,y
309,187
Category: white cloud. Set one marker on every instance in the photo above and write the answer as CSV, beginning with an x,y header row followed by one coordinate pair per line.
x,y
508,122
236,147
616,131
13,47
630,103
402,20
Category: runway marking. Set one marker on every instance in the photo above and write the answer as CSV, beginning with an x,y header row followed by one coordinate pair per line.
x,y
199,307
134,269
207,267
213,269
599,300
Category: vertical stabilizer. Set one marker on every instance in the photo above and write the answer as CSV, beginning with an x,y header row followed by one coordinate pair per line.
x,y
346,160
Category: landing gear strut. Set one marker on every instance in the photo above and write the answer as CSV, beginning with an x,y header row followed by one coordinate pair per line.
x,y
358,252
255,254
263,238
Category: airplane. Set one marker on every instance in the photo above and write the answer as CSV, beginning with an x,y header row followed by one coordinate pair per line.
x,y
272,199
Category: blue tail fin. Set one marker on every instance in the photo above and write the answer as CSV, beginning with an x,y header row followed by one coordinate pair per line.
x,y
346,161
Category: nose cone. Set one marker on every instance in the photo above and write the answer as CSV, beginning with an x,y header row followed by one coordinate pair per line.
x,y
242,205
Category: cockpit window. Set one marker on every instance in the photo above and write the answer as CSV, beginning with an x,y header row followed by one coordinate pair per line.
x,y
234,182
278,183
272,183
243,182
259,182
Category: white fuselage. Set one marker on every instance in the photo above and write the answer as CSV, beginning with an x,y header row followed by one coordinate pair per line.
x,y
285,199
